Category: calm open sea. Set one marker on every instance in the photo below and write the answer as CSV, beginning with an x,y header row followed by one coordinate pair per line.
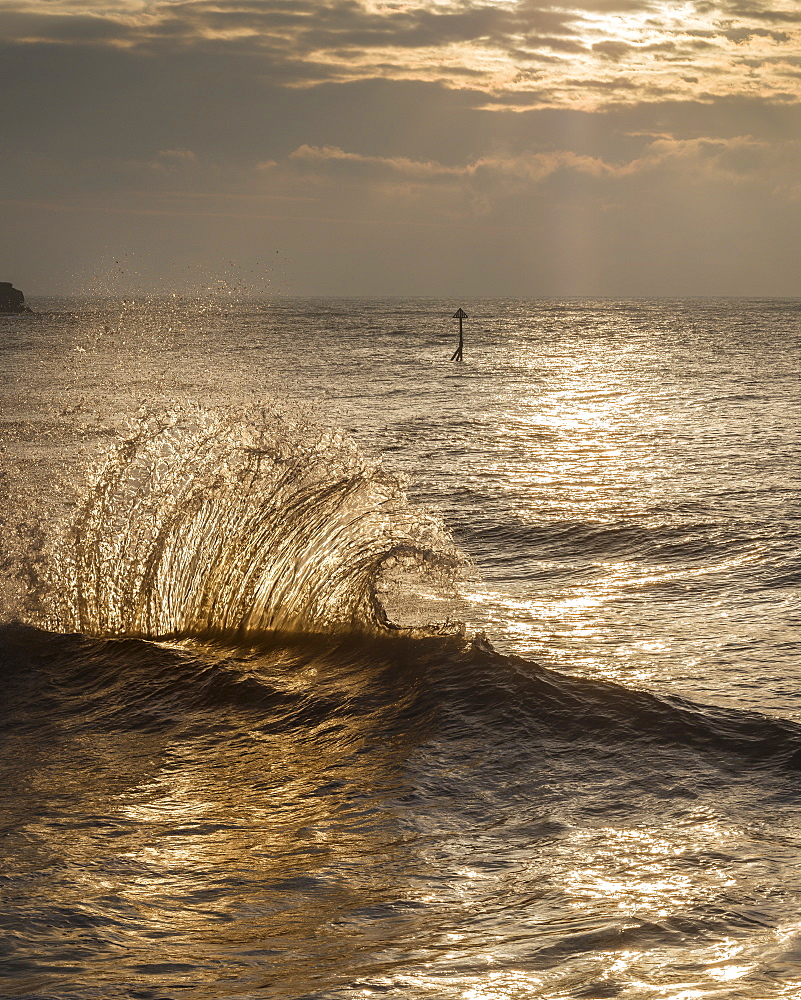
x,y
334,669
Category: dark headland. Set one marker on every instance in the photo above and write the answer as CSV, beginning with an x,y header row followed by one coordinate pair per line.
x,y
11,299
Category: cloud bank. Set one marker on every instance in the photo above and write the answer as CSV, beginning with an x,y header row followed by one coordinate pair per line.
x,y
598,147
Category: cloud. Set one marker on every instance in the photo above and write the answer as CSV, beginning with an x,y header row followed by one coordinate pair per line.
x,y
789,14
489,42
736,159
532,166
495,186
612,50
598,134
742,35
176,156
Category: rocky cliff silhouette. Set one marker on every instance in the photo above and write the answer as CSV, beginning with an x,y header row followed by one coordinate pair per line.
x,y
11,299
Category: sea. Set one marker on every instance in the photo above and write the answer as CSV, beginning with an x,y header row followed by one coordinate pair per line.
x,y
334,668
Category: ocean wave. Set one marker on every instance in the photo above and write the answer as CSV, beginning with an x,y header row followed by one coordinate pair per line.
x,y
198,520
383,685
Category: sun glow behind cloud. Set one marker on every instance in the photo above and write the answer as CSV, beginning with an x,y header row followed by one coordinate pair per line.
x,y
524,54
596,144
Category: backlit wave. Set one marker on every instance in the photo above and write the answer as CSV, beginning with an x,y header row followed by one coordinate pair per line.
x,y
202,520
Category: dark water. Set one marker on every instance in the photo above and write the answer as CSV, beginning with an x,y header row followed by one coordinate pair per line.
x,y
226,773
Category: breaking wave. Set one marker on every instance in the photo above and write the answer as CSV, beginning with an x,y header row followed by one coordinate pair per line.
x,y
213,521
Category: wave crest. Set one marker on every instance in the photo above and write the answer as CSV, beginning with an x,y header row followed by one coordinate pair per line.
x,y
201,520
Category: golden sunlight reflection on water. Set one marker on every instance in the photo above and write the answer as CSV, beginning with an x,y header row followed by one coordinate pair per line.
x,y
300,819
267,829
596,467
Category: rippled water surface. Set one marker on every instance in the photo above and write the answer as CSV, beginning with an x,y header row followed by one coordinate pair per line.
x,y
227,774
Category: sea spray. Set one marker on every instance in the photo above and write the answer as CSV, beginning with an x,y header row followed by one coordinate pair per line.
x,y
216,520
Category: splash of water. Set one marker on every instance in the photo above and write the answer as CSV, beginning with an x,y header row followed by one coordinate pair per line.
x,y
200,520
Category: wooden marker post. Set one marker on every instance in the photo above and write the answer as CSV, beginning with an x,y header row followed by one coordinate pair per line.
x,y
460,314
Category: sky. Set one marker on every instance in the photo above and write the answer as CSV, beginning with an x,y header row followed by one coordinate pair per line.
x,y
385,147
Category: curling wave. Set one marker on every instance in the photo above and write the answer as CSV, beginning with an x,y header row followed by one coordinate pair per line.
x,y
210,521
